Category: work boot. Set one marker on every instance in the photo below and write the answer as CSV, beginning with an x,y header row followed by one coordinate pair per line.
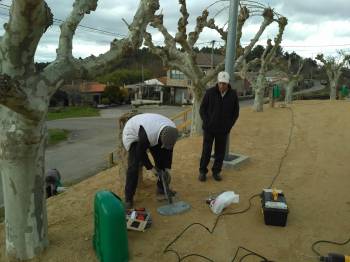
x,y
202,177
217,176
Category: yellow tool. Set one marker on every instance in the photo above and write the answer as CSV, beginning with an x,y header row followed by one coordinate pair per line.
x,y
274,194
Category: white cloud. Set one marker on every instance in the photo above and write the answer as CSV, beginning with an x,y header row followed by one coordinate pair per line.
x,y
310,23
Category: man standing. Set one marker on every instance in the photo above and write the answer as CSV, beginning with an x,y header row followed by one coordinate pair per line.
x,y
219,111
156,133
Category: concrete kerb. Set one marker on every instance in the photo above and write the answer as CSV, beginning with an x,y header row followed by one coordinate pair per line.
x,y
237,160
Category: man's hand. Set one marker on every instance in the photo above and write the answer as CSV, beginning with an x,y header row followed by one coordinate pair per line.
x,y
167,175
155,171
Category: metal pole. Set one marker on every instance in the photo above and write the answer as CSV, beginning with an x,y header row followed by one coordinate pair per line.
x,y
231,56
212,54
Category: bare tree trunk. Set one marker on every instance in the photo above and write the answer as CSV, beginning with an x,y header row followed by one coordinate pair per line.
x,y
289,92
198,92
333,89
196,127
259,94
22,170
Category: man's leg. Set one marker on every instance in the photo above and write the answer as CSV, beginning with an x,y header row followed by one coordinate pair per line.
x,y
161,157
132,175
206,152
220,146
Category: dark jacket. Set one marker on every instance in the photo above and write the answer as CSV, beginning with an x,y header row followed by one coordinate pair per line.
x,y
162,157
218,113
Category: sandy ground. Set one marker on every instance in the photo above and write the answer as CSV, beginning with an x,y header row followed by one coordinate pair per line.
x,y
314,176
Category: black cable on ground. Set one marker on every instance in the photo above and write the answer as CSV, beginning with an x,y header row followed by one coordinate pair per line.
x,y
286,149
313,247
211,231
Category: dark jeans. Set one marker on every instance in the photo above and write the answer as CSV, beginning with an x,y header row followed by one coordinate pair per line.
x,y
219,152
132,174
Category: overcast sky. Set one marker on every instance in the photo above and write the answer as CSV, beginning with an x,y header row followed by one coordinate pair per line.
x,y
313,25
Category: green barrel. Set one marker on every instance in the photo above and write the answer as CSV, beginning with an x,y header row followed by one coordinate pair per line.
x,y
344,91
110,239
276,91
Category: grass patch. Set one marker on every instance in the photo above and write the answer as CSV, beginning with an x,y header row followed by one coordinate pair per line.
x,y
57,135
69,112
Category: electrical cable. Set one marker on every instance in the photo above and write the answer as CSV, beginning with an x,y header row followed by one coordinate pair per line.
x,y
313,247
167,249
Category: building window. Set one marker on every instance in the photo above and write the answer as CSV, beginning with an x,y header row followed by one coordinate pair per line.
x,y
176,74
189,82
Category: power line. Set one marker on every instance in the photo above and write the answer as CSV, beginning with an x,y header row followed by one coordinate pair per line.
x,y
92,29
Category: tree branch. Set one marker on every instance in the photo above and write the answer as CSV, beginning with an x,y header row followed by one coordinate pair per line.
x,y
68,27
15,98
268,19
93,66
201,22
28,22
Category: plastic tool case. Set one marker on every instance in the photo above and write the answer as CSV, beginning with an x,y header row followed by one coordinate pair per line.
x,y
274,207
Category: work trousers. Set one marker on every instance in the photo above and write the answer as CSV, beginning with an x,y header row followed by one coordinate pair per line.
x,y
219,152
132,174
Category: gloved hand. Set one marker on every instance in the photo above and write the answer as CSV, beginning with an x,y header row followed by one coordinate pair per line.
x,y
155,171
167,175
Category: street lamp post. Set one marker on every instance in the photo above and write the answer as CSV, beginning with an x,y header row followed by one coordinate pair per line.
x,y
230,57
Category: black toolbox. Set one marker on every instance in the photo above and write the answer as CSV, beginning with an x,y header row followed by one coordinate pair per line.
x,y
274,207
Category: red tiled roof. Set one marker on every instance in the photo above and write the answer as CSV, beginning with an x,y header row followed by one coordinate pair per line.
x,y
92,87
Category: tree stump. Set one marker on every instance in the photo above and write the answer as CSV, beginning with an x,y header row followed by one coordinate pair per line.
x,y
122,154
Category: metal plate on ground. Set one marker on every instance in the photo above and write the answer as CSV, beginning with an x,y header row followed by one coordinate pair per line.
x,y
174,208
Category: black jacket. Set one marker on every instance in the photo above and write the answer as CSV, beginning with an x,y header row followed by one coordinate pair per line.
x,y
218,113
162,157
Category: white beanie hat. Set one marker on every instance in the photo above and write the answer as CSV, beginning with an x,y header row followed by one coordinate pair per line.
x,y
223,77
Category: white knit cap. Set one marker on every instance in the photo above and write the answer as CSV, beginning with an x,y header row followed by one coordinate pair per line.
x,y
223,77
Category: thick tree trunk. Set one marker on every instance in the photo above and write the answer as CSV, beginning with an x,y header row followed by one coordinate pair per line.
x,y
196,126
198,91
22,169
259,94
289,92
333,90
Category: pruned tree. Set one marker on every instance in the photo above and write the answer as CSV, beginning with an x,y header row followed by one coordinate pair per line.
x,y
293,78
178,51
260,84
333,67
24,98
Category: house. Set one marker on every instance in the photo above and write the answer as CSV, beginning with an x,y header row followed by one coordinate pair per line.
x,y
84,92
157,91
177,79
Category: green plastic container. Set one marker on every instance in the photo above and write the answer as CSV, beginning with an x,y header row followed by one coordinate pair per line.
x,y
110,239
276,91
344,91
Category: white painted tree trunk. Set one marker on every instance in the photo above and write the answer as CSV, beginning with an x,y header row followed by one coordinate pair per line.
x,y
22,170
289,92
259,91
196,126
333,89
